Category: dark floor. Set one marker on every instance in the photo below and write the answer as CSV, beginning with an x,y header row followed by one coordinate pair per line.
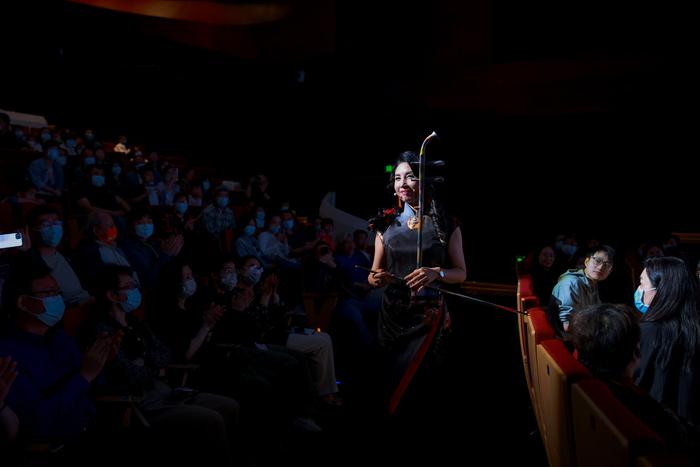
x,y
472,404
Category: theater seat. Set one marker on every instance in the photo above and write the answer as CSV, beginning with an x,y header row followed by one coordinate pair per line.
x,y
557,370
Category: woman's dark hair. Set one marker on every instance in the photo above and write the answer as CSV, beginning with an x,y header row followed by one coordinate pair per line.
x,y
606,338
674,308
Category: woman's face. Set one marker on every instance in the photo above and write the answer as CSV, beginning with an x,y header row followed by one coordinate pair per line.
x,y
546,257
406,183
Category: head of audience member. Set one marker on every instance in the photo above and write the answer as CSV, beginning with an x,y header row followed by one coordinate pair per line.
x,y
116,170
100,226
346,247
190,175
599,263
141,224
118,293
567,245
138,161
260,217
147,175
546,257
606,338
45,226
51,151
221,198
196,191
287,221
100,156
89,158
249,228
171,175
275,224
96,176
361,239
180,203
667,290
226,276
250,270
33,296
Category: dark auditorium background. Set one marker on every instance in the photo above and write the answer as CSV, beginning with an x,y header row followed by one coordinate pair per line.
x,y
553,116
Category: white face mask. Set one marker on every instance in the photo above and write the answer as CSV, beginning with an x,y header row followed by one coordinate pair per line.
x,y
189,287
229,280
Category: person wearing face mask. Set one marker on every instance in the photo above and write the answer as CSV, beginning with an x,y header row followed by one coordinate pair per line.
x,y
99,248
274,247
180,219
46,174
218,216
246,244
670,335
184,323
577,288
316,346
186,425
46,233
95,195
146,256
50,395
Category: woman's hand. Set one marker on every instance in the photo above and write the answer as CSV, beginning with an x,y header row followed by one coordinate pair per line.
x,y
421,277
379,278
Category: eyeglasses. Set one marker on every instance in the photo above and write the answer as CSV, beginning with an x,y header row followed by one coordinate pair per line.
x,y
601,262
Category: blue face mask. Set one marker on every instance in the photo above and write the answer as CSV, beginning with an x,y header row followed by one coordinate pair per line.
x,y
133,300
98,180
206,185
116,170
139,165
229,280
260,215
53,310
89,161
288,224
53,154
181,207
19,134
252,275
274,229
143,231
260,223
45,136
249,230
569,250
189,287
222,201
639,299
70,143
51,235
